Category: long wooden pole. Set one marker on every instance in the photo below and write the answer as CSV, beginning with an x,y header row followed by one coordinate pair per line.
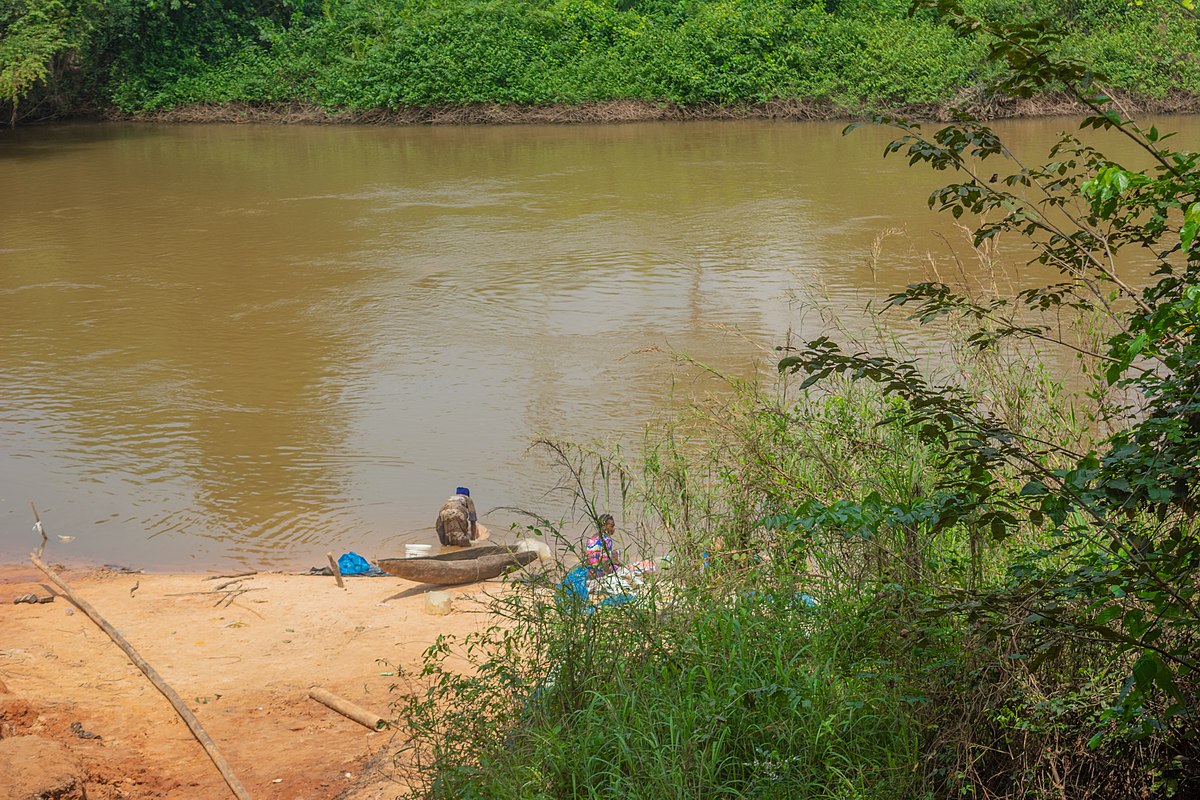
x,y
184,712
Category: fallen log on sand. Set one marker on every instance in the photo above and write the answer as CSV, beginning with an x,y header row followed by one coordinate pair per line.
x,y
348,709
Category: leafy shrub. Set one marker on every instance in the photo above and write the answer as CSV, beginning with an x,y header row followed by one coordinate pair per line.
x,y
376,54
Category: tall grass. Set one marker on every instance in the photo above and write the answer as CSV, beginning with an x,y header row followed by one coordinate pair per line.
x,y
702,688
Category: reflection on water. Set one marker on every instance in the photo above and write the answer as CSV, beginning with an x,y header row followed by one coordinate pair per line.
x,y
255,344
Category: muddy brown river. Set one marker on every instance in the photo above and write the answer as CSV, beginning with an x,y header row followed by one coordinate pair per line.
x,y
250,345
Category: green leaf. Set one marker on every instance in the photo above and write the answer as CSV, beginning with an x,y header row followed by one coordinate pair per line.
x,y
1145,670
1138,344
1191,224
1160,494
999,529
810,380
1034,489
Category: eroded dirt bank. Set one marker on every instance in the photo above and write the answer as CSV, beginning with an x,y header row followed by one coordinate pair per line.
x,y
619,111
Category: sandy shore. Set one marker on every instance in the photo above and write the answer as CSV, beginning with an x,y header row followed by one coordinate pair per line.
x,y
244,663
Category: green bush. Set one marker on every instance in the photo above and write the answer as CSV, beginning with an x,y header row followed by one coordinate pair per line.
x,y
378,54
1150,55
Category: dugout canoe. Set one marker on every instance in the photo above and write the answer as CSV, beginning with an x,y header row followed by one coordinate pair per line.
x,y
459,566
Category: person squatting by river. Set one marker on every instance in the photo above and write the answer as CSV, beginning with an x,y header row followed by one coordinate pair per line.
x,y
457,522
600,551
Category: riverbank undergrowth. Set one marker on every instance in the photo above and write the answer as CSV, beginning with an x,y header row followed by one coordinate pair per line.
x,y
353,57
894,580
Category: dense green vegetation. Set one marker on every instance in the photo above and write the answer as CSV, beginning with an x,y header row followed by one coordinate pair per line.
x,y
135,55
1006,575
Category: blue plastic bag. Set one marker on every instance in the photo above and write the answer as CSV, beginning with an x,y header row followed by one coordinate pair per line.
x,y
574,586
353,564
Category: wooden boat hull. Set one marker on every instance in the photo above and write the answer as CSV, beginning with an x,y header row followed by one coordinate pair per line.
x,y
468,565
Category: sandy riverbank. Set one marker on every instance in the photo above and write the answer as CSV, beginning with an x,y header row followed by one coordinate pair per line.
x,y
243,663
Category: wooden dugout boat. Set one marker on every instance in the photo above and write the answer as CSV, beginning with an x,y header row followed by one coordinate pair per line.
x,y
467,565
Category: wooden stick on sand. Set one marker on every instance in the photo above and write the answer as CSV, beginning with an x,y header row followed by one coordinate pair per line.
x,y
337,572
184,712
348,709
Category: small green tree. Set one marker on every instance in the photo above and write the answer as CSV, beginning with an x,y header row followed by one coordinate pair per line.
x,y
1119,568
39,40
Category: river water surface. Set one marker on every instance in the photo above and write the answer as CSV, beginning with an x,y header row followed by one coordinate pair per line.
x,y
249,345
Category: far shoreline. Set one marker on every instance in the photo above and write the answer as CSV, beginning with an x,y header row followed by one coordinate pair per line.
x,y
974,103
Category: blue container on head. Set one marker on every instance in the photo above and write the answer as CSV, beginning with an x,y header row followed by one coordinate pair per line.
x,y
464,491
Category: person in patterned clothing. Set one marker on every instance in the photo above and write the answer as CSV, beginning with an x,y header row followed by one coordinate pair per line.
x,y
457,523
600,551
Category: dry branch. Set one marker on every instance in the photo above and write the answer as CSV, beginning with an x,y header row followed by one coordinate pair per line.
x,y
216,591
234,575
226,584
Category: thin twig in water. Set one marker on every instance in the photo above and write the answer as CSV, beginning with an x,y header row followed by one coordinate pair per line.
x,y
37,526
